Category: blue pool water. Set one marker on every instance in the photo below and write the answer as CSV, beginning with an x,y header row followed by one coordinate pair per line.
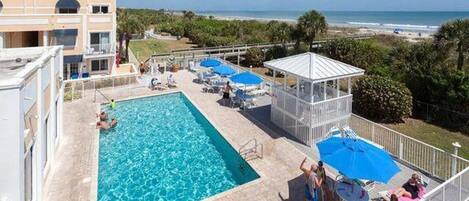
x,y
163,148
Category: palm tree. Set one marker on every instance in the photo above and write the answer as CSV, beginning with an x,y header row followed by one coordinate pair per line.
x,y
279,32
311,24
126,26
455,33
283,33
188,15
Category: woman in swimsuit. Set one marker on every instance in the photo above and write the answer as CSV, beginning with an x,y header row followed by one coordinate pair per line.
x,y
226,93
311,181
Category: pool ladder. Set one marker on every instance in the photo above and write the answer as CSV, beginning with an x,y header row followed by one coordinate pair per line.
x,y
251,150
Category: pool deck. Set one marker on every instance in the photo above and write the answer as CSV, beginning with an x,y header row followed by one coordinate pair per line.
x,y
74,174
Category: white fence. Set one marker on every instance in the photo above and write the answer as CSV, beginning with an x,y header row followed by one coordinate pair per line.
x,y
308,122
430,159
87,87
454,189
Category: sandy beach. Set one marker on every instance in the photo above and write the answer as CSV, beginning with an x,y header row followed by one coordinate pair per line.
x,y
409,35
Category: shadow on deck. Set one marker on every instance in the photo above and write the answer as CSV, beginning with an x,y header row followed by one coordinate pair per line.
x,y
260,116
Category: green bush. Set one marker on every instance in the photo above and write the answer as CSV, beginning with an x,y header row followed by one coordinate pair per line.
x,y
382,99
254,56
363,54
276,52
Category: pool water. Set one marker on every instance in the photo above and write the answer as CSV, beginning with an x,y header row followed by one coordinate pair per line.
x,y
163,148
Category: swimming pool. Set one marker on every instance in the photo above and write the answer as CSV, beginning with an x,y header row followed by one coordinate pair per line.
x,y
163,148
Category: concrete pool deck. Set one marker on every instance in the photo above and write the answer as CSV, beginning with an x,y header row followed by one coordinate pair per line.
x,y
74,174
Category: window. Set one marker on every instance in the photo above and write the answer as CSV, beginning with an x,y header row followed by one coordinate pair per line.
x,y
100,9
68,10
66,37
99,65
99,38
74,68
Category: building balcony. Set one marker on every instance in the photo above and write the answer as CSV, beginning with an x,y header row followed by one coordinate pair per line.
x,y
100,49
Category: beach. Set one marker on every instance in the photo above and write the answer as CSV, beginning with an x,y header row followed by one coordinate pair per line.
x,y
351,29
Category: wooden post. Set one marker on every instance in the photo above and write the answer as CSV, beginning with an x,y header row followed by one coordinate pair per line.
x,y
238,57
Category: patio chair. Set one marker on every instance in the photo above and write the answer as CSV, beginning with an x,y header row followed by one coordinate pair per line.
x,y
208,88
85,75
171,82
74,76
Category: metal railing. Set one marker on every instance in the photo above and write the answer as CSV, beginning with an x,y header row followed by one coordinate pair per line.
x,y
434,161
454,189
100,49
244,150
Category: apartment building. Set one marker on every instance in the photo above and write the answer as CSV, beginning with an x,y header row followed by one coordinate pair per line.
x,y
85,28
31,106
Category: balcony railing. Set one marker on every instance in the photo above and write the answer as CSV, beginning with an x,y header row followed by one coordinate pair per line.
x,y
100,49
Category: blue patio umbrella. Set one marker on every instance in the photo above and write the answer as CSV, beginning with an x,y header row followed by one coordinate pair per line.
x,y
357,159
223,70
209,62
246,78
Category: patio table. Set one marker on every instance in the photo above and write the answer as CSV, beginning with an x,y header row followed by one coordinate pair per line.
x,y
351,192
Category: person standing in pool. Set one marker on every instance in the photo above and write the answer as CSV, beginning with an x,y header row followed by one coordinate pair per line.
x,y
226,93
113,104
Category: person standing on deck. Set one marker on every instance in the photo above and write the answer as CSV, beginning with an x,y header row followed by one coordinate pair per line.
x,y
311,181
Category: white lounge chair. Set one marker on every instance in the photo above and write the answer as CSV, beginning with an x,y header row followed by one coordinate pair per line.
x,y
171,82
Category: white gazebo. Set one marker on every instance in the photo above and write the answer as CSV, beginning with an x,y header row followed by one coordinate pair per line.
x,y
313,96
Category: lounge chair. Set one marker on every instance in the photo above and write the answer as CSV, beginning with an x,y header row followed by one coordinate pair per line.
x,y
246,101
386,195
259,92
171,82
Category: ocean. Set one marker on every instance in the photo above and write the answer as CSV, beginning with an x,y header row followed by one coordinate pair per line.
x,y
425,21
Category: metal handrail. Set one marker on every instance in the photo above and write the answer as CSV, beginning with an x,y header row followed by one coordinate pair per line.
x,y
105,97
252,149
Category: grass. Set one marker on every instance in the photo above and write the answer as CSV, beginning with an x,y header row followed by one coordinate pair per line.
x,y
143,49
433,135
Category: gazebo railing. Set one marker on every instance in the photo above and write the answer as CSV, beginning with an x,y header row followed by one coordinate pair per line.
x,y
299,117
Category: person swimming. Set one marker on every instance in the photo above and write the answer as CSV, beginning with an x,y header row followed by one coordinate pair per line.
x,y
102,116
105,125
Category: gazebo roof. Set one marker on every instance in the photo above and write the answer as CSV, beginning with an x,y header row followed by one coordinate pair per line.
x,y
314,67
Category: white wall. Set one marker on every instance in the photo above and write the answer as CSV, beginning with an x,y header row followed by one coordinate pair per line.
x,y
11,145
13,103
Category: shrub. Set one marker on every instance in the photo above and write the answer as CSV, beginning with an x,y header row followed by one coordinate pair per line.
x,y
363,54
254,56
276,52
381,99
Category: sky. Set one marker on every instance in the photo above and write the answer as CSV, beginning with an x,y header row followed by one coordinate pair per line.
x,y
323,5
